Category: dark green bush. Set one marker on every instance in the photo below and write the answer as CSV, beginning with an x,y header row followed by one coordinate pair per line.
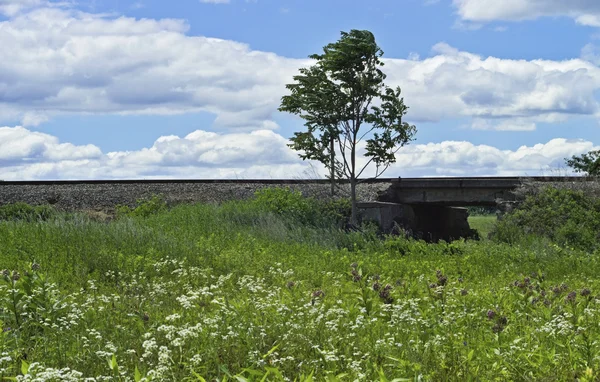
x,y
567,217
144,208
27,212
300,209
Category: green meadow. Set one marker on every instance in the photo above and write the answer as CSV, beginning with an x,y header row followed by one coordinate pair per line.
x,y
246,291
484,224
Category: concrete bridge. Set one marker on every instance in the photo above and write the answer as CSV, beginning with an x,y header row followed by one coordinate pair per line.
x,y
433,208
483,191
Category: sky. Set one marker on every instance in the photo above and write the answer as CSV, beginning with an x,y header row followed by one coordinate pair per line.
x,y
143,89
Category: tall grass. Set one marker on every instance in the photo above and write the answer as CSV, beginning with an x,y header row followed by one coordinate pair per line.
x,y
242,292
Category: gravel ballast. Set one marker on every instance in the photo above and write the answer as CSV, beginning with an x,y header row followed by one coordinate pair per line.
x,y
105,196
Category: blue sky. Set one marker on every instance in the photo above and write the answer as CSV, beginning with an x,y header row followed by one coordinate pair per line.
x,y
142,89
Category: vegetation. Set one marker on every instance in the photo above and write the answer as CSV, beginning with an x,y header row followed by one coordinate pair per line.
x,y
237,293
24,211
343,100
297,209
567,217
588,163
144,207
483,224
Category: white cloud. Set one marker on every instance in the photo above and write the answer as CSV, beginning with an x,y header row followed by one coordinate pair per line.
x,y
13,7
62,61
585,12
26,154
454,84
459,158
21,146
591,53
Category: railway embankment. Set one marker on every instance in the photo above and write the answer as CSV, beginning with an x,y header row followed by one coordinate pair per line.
x,y
105,195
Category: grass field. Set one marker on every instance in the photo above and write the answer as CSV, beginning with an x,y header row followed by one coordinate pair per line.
x,y
483,224
231,293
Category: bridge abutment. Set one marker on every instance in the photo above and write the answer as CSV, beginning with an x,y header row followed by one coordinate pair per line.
x,y
429,222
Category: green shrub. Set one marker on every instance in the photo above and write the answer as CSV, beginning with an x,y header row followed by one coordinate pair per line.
x,y
27,212
284,201
339,209
300,209
567,217
144,208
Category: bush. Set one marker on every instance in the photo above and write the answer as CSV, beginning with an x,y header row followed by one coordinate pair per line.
x,y
567,217
27,212
299,209
284,201
144,208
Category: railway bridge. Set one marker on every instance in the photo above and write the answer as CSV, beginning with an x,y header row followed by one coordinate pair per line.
x,y
453,191
434,208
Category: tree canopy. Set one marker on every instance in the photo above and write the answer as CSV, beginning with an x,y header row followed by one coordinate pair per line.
x,y
347,108
588,163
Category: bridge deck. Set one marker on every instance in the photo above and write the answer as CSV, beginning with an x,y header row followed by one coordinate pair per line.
x,y
482,191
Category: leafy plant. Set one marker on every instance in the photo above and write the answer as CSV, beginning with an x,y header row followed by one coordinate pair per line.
x,y
343,100
588,163
27,212
144,207
567,217
300,209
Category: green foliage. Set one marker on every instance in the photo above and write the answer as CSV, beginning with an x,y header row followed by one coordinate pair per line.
x,y
30,301
144,207
230,293
300,209
27,212
588,163
337,98
567,217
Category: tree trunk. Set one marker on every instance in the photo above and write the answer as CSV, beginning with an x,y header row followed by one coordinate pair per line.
x,y
353,180
332,168
354,216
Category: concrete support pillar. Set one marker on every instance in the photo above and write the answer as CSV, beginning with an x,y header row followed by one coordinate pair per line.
x,y
429,222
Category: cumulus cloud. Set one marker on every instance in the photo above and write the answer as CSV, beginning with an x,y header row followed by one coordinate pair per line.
x,y
62,61
260,154
454,84
585,12
26,154
459,158
20,146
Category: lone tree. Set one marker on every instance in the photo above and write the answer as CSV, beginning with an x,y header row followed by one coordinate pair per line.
x,y
343,100
588,163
